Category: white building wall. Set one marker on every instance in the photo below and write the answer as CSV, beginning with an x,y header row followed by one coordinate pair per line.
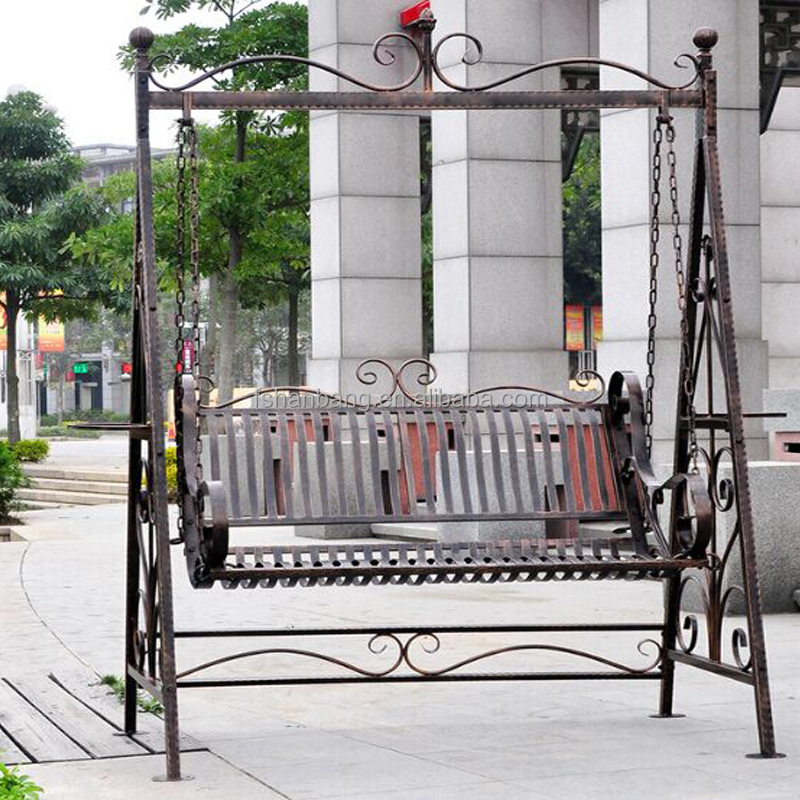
x,y
780,239
649,34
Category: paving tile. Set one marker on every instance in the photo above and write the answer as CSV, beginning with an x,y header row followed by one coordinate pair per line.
x,y
126,778
386,771
674,783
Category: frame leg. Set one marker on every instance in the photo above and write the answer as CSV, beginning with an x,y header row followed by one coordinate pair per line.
x,y
668,641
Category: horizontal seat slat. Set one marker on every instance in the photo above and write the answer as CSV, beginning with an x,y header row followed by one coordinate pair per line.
x,y
524,560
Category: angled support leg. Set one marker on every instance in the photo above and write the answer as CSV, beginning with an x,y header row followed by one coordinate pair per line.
x,y
147,299
755,622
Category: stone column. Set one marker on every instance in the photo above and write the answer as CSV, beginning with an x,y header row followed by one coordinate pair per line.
x,y
649,34
365,204
498,271
780,244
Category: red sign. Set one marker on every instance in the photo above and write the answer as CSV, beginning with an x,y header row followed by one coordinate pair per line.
x,y
187,357
574,328
411,16
127,369
597,326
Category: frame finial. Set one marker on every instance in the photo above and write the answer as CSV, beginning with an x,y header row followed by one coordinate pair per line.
x,y
705,38
142,38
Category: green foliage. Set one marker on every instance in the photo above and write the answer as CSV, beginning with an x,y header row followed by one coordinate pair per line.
x,y
145,701
86,415
11,478
16,786
582,227
172,474
31,450
39,211
251,28
62,431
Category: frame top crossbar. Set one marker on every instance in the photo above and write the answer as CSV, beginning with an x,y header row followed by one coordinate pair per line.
x,y
416,90
382,101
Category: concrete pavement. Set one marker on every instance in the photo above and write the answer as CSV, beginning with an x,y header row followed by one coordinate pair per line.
x,y
62,603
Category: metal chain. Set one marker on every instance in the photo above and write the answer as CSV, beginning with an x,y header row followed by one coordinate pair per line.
x,y
180,250
687,378
652,319
180,317
194,236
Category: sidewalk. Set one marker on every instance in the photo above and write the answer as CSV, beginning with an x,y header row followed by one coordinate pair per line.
x,y
62,604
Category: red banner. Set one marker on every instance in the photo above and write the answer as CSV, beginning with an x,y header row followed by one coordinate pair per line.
x,y
574,328
597,326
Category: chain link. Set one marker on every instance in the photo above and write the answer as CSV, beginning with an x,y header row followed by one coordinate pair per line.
x,y
180,317
652,318
687,376
194,236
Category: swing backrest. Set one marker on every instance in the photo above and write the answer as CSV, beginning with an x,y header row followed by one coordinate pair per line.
x,y
370,465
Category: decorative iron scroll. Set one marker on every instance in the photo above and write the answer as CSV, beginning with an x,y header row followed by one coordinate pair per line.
x,y
147,633
427,64
430,644
400,383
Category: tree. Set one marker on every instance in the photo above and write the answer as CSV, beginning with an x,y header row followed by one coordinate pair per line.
x,y
582,227
272,204
251,27
39,211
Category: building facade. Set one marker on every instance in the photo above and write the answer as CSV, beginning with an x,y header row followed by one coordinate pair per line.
x,y
497,196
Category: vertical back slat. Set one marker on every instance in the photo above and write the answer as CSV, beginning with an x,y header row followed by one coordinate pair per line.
x,y
393,462
513,464
233,466
530,457
338,460
302,460
214,424
358,468
580,444
480,472
250,460
425,458
286,465
547,453
566,459
599,463
374,461
497,466
444,461
271,497
412,490
463,464
322,472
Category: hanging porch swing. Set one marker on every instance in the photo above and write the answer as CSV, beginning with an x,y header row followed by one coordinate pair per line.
x,y
404,458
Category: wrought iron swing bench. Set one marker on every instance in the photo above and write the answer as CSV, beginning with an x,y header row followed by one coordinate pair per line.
x,y
449,463
560,461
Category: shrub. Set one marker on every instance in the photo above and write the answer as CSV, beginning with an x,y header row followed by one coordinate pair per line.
x,y
87,415
11,478
49,432
15,786
31,450
172,474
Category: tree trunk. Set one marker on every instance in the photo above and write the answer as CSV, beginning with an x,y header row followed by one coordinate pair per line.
x,y
12,378
228,297
292,344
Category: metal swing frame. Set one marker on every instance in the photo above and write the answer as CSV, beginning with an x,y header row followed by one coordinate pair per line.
x,y
709,341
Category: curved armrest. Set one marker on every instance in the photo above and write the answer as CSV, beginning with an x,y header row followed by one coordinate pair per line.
x,y
214,523
692,509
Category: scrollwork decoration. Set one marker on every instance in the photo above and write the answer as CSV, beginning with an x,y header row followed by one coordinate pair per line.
x,y
427,64
430,644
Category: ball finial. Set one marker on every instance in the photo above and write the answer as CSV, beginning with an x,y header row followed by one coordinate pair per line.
x,y
142,38
705,38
